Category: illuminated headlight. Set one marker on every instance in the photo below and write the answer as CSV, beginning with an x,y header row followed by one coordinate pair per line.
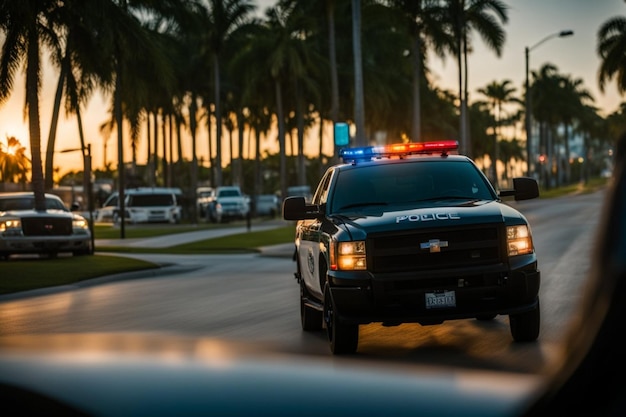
x,y
10,225
518,240
349,256
80,223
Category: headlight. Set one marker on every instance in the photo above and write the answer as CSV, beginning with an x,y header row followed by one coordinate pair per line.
x,y
519,240
10,224
348,256
80,223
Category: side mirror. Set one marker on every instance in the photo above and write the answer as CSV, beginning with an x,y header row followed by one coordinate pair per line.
x,y
75,206
295,208
524,188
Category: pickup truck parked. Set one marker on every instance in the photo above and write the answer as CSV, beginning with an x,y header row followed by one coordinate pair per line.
x,y
229,204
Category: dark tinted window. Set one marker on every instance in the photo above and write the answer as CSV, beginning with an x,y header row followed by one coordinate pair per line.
x,y
151,200
409,182
229,193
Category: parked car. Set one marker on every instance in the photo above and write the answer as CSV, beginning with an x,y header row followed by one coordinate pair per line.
x,y
229,204
300,191
144,205
24,230
267,205
204,198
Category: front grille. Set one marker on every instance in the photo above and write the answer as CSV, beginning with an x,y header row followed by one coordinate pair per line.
x,y
46,226
459,247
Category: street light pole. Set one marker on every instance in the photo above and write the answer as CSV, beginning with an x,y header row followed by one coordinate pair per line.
x,y
90,205
87,187
527,101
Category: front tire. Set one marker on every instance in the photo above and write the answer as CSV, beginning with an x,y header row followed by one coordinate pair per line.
x,y
343,338
525,326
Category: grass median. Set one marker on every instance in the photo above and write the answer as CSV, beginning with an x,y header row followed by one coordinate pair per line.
x,y
19,274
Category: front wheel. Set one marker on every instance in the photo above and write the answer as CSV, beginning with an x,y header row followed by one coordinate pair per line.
x,y
343,338
525,326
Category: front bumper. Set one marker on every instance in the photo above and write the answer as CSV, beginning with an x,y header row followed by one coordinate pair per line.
x,y
363,297
44,244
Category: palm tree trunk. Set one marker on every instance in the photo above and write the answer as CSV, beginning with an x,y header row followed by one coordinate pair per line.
x,y
32,100
321,145
218,121
460,82
149,146
281,138
83,147
359,102
155,148
49,167
193,109
240,131
170,124
164,143
334,77
121,170
300,134
416,126
257,163
467,140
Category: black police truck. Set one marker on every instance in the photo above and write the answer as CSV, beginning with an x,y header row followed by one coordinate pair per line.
x,y
412,233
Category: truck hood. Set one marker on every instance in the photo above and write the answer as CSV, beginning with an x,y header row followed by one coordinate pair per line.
x,y
392,220
35,213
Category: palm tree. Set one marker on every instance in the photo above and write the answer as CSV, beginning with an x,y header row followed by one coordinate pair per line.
x,y
571,106
424,25
611,46
592,126
511,151
281,54
27,26
14,163
137,64
225,17
546,86
498,93
80,65
483,16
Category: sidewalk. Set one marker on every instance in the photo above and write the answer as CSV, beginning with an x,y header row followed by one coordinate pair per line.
x,y
165,241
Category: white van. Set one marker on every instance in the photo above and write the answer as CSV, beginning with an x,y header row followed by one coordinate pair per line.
x,y
144,205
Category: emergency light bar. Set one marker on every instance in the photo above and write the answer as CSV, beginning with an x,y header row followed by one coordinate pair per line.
x,y
399,149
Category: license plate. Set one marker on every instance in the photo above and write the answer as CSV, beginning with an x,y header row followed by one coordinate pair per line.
x,y
440,299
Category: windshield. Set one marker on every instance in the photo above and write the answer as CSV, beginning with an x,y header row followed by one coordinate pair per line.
x,y
28,203
229,193
408,183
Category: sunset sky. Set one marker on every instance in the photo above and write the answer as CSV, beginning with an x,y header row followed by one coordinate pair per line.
x,y
530,21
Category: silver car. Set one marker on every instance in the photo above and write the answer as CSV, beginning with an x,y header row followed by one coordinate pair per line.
x,y
24,230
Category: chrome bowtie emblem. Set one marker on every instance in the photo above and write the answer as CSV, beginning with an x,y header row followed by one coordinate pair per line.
x,y
434,245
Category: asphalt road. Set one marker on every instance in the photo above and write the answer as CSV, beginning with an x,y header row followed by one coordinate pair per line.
x,y
253,299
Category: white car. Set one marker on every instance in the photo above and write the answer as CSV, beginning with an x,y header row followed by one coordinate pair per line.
x,y
229,204
144,205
